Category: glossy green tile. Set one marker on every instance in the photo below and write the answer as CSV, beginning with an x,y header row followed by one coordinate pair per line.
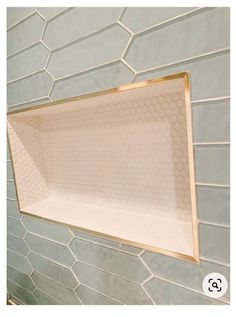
x,y
18,65
18,262
17,245
47,230
93,51
51,250
15,227
90,297
25,34
20,293
215,243
20,279
43,299
54,271
62,294
77,23
12,209
175,42
122,290
106,77
15,14
214,204
212,164
138,19
11,190
116,262
9,171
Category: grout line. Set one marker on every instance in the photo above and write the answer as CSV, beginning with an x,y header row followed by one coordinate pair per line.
x,y
183,286
22,286
17,269
212,185
51,89
25,76
85,37
29,15
124,27
185,61
12,297
128,66
49,74
13,218
213,224
10,180
56,300
23,49
210,143
27,102
215,262
133,79
173,20
41,16
45,238
223,98
61,13
123,10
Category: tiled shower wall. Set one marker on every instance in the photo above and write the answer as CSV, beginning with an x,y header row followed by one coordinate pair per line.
x,y
55,53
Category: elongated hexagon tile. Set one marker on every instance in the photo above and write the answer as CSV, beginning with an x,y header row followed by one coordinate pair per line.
x,y
209,77
183,272
116,262
77,23
214,204
15,227
60,293
20,293
93,51
90,297
43,299
47,229
165,293
17,245
212,164
51,250
50,12
12,209
215,243
53,270
138,19
15,14
29,88
20,279
18,65
18,262
25,34
158,48
106,77
113,286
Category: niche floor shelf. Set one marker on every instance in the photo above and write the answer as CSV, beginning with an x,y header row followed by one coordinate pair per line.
x,y
118,163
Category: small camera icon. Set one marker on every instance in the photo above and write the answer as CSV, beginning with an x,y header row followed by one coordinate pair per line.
x,y
215,285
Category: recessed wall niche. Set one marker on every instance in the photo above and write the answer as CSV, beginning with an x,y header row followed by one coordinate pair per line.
x,y
117,163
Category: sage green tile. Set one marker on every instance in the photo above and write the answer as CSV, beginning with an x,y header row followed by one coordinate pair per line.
x,y
17,245
20,293
106,77
60,293
20,279
212,164
138,19
90,297
25,34
18,262
77,23
49,249
15,14
43,299
12,209
211,122
47,229
209,77
122,290
93,51
106,242
176,41
214,204
52,270
50,12
11,190
175,270
15,227
9,171
116,262
27,89
165,293
19,65
215,243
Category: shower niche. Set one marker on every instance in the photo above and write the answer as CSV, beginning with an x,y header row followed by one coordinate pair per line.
x,y
117,163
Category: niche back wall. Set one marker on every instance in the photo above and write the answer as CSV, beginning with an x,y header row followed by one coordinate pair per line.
x,y
55,53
